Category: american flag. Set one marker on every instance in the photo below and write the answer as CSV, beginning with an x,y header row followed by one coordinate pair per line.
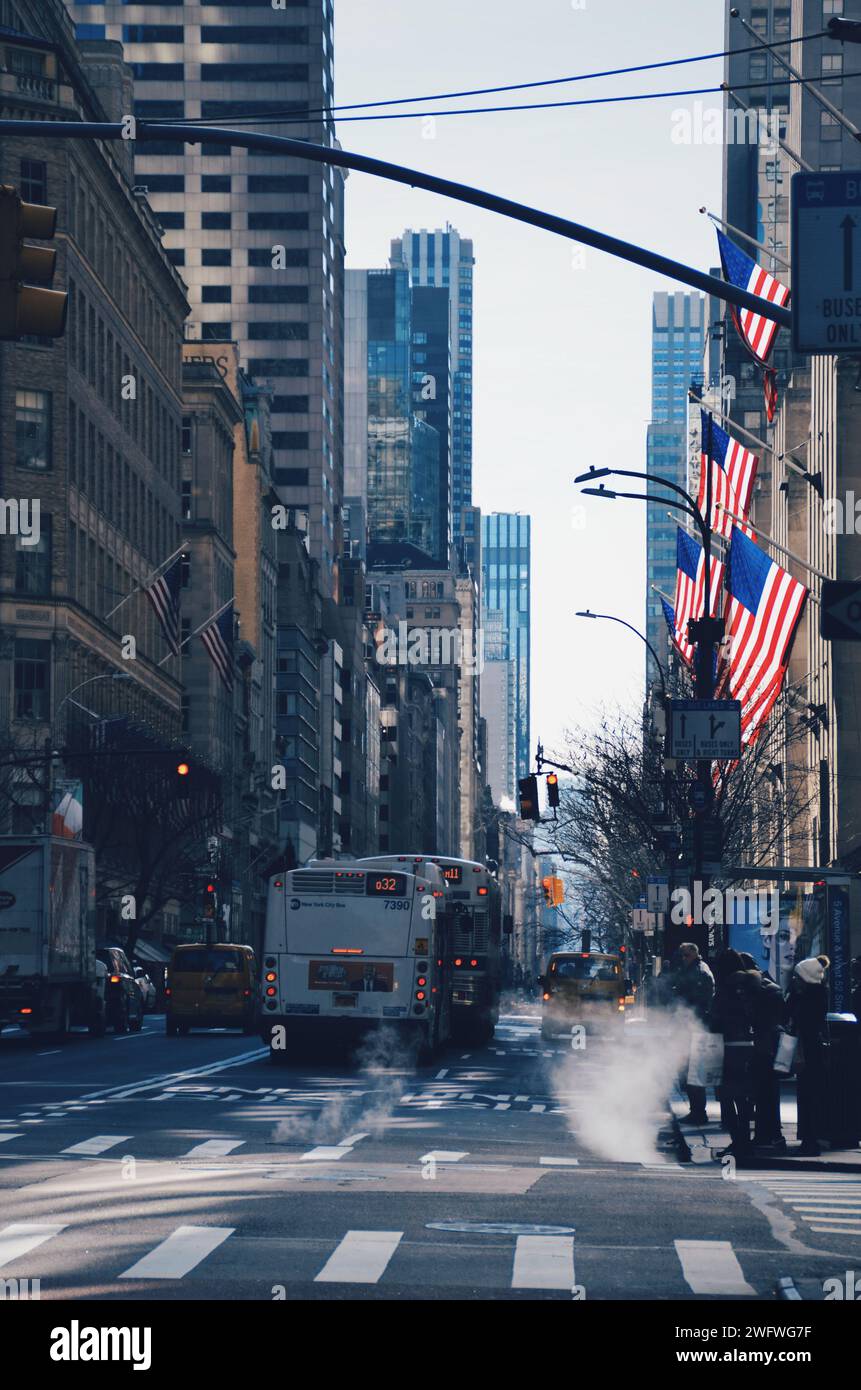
x,y
733,474
163,594
690,587
756,331
217,637
763,607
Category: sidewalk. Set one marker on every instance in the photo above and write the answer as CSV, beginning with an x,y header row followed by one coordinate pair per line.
x,y
703,1143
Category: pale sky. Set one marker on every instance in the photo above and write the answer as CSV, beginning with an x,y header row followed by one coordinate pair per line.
x,y
561,334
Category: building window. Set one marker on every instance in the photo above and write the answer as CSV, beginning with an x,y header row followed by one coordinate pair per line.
x,y
215,294
34,181
33,562
215,183
211,332
215,221
185,569
175,255
33,429
832,7
832,68
278,294
262,256
163,183
186,499
32,670
215,257
277,183
829,127
171,221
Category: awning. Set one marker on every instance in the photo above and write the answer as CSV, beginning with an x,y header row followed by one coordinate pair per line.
x,y
148,950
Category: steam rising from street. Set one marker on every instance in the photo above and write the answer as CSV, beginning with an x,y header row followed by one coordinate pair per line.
x,y
382,1064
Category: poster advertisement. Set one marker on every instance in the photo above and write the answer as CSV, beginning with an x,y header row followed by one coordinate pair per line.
x,y
365,977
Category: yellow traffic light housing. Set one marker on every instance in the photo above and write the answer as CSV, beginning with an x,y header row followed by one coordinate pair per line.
x,y
26,307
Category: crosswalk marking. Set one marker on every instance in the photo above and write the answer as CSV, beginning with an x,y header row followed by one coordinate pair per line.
x,y
99,1144
543,1262
214,1148
711,1267
834,1230
444,1156
323,1152
180,1252
350,1140
360,1258
839,1219
4,1138
22,1237
551,1162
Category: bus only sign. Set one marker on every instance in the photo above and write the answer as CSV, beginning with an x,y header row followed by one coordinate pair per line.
x,y
826,262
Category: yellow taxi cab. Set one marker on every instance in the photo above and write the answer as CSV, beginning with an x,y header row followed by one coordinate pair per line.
x,y
582,987
211,987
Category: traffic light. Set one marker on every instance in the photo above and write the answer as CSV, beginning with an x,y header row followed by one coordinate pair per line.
x,y
182,769
528,788
554,890
209,897
552,790
26,307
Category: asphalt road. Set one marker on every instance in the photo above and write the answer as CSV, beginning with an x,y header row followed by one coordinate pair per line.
x,y
188,1168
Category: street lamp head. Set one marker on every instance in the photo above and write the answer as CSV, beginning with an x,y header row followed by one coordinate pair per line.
x,y
601,491
592,474
587,614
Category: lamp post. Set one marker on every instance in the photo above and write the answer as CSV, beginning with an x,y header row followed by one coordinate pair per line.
x,y
611,618
49,741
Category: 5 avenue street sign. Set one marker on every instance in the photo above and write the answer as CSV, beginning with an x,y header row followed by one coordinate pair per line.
x,y
704,729
826,262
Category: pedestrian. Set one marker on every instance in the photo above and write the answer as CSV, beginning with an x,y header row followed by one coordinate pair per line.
x,y
694,985
807,1001
731,1017
767,1013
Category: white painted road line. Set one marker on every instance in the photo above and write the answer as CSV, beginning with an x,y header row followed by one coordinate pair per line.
x,y
835,1230
4,1138
361,1258
22,1237
325,1152
172,1077
350,1140
711,1267
443,1156
543,1262
184,1248
214,1148
97,1145
551,1162
441,1074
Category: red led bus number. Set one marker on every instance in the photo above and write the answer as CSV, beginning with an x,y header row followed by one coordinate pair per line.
x,y
385,885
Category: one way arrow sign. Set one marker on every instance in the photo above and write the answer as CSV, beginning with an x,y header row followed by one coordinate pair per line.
x,y
840,610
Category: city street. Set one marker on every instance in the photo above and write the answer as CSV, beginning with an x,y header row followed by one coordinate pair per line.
x,y
194,1168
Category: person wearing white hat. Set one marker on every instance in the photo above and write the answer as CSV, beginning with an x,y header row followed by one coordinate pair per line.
x,y
808,1007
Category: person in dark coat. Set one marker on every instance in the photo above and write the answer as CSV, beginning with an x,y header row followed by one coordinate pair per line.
x,y
694,985
767,1012
731,1017
807,1001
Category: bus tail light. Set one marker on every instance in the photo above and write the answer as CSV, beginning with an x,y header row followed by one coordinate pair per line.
x,y
271,977
545,996
422,980
473,962
115,979
458,961
271,992
168,992
420,994
25,1010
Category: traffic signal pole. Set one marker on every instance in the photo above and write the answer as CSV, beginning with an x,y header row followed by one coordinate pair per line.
x,y
133,129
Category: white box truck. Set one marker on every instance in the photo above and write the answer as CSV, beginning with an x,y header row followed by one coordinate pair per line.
x,y
49,976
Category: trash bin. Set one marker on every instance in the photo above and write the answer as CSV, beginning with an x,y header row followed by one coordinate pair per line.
x,y
843,1081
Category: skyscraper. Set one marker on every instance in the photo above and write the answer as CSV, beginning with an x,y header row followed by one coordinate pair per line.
x,y
678,337
444,259
257,238
505,590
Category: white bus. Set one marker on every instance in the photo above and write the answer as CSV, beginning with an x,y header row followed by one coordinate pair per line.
x,y
348,948
473,908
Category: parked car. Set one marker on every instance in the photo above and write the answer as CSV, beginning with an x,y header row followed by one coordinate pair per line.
x,y
124,1006
149,993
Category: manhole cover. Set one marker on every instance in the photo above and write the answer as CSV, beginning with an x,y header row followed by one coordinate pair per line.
x,y
499,1228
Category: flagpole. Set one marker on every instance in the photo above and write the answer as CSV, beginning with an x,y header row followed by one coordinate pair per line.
x,y
139,588
211,619
787,149
755,439
776,544
736,231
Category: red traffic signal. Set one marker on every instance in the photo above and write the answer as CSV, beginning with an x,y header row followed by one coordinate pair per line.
x,y
182,769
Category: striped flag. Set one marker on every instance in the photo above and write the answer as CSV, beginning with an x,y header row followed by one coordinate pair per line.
x,y
217,637
690,588
733,475
763,607
756,332
163,594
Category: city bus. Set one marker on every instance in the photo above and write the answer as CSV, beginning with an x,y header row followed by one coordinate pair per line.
x,y
349,947
472,903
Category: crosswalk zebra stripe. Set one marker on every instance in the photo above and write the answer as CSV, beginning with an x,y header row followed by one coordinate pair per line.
x,y
360,1258
214,1148
4,1138
543,1262
99,1144
183,1249
711,1267
22,1237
